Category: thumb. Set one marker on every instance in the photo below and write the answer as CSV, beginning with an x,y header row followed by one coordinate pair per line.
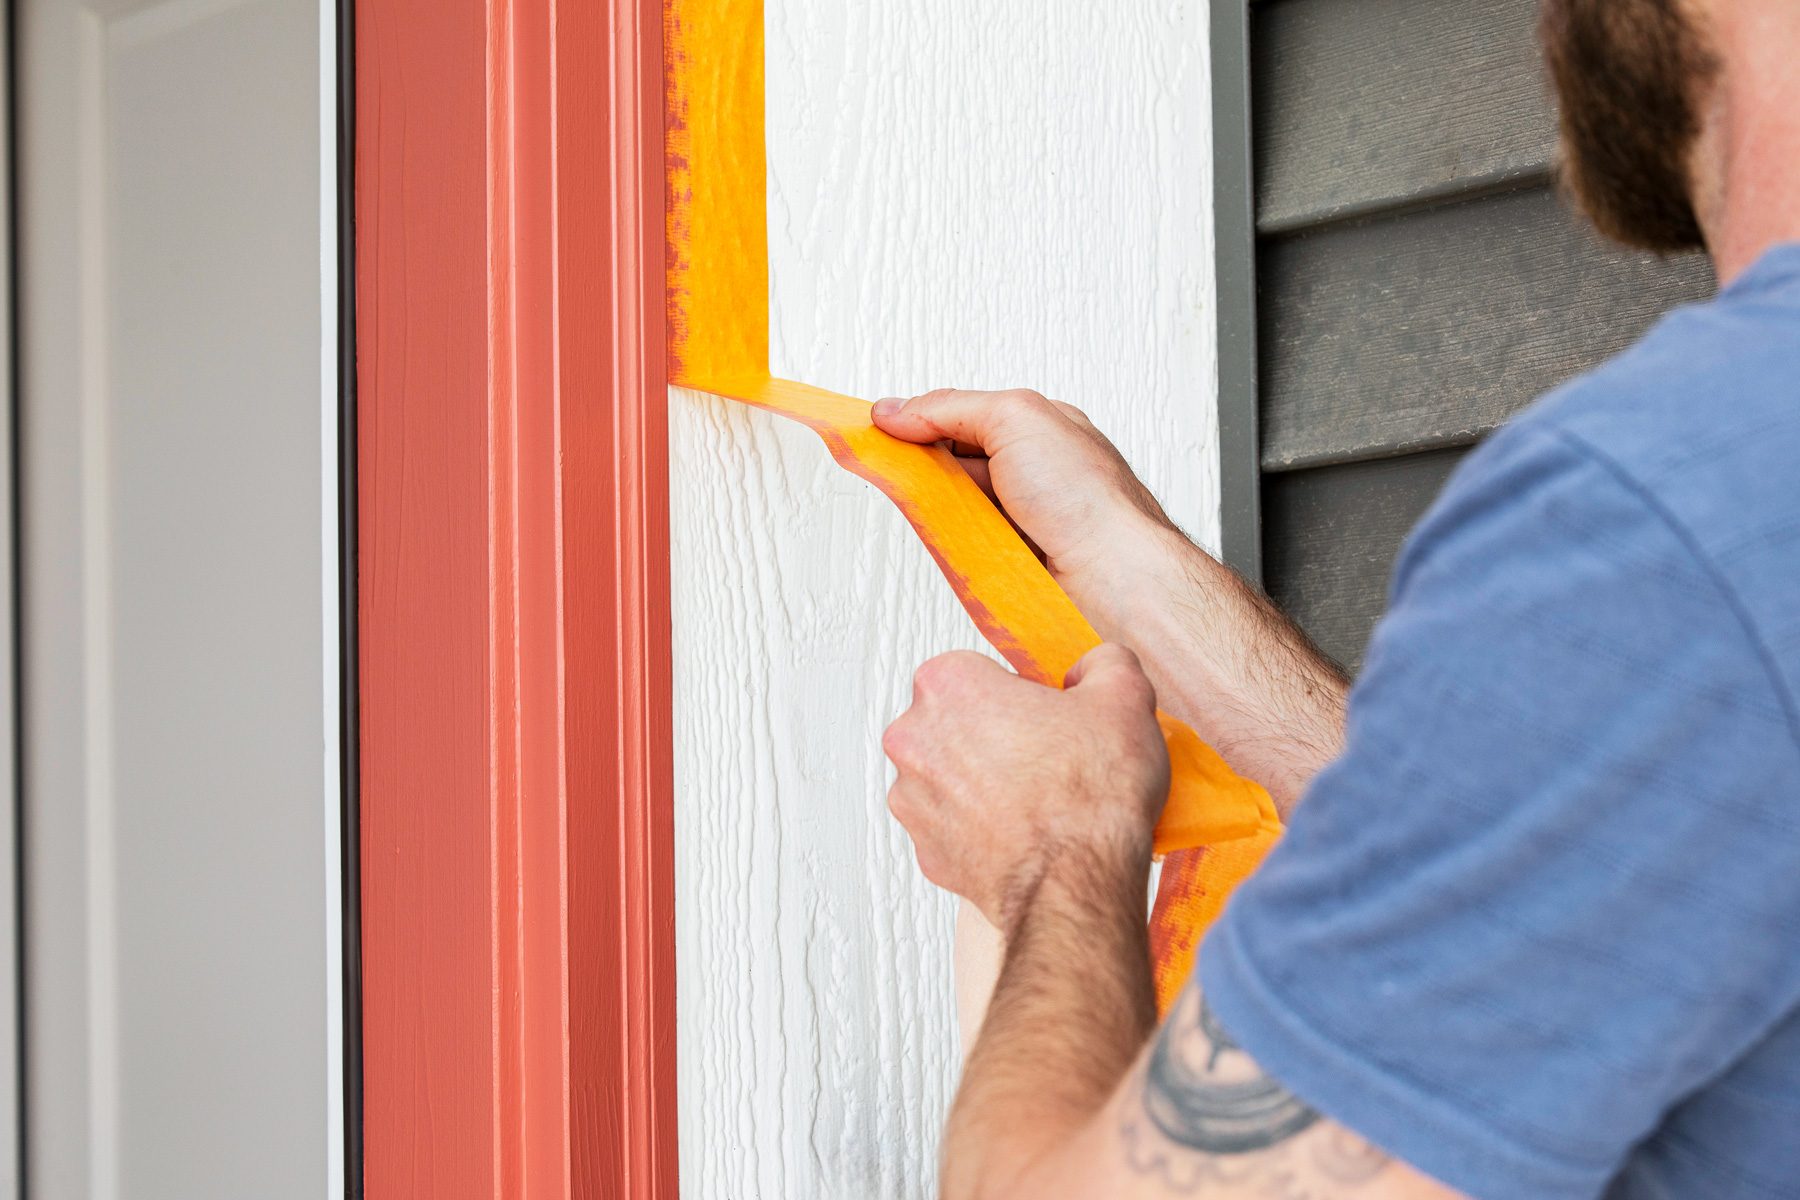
x,y
1112,668
980,419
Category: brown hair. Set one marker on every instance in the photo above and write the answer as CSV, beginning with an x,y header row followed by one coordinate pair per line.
x,y
1630,77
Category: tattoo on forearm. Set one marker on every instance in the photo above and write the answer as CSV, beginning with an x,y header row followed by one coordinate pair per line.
x,y
1210,1115
1205,1093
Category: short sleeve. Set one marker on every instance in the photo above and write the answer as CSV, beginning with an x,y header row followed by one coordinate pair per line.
x,y
1552,886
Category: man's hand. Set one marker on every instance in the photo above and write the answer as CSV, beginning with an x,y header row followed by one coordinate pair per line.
x,y
1065,487
1037,805
1001,779
1219,654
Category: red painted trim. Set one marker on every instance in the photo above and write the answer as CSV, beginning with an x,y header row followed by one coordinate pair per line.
x,y
518,901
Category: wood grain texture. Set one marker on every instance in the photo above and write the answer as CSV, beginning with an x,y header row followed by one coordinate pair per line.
x,y
1057,241
516,860
1429,329
1363,105
618,695
1334,533
428,970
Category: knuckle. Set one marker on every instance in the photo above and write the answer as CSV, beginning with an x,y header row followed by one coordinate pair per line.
x,y
946,673
1022,401
1107,654
928,679
1125,658
1135,691
961,663
929,865
1120,676
895,743
1074,413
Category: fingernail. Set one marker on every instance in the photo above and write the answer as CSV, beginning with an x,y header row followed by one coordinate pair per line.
x,y
887,406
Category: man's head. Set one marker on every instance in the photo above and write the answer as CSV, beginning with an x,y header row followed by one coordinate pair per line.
x,y
1633,79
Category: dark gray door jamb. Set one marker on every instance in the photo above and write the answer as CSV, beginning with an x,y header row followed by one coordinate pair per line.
x,y
1234,248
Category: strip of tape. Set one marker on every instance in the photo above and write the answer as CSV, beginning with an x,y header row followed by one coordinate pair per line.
x,y
718,288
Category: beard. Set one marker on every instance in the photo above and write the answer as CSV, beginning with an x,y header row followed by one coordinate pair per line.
x,y
1631,79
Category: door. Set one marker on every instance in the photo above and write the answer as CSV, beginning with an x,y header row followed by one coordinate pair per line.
x,y
178,460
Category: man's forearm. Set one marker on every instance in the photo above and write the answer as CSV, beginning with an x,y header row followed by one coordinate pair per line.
x,y
1224,660
1073,1007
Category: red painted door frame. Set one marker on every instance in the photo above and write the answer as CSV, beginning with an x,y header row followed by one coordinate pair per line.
x,y
516,857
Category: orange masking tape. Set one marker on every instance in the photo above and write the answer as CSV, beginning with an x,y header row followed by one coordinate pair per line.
x,y
1011,597
718,288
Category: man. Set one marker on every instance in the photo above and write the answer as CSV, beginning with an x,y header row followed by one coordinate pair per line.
x,y
1534,930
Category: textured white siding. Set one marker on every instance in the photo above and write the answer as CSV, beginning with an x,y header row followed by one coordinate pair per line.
x,y
1009,193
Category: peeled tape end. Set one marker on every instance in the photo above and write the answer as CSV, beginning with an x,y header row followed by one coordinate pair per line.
x,y
1209,803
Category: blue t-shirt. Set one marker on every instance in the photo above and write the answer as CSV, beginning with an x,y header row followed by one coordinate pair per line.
x,y
1537,931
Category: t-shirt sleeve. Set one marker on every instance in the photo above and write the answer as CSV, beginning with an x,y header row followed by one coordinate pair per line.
x,y
1551,887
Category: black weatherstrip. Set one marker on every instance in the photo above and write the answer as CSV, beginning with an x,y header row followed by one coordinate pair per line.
x,y
349,678
15,600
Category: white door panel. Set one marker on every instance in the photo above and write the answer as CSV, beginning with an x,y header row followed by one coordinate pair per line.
x,y
178,549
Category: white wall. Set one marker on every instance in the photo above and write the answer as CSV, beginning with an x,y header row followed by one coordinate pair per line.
x,y
178,462
1009,193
